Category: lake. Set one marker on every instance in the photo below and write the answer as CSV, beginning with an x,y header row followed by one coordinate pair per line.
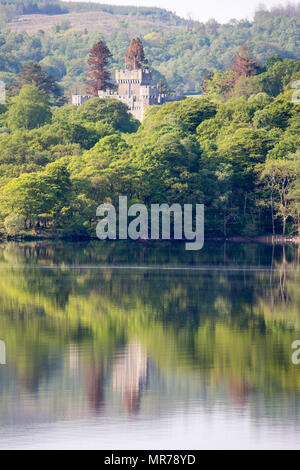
x,y
135,345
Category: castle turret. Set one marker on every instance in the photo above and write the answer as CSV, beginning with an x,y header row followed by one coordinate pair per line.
x,y
135,89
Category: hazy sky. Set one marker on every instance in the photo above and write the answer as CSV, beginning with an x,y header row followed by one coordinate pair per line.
x,y
203,10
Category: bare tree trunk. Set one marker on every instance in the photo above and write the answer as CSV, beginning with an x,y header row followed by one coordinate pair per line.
x,y
272,208
284,226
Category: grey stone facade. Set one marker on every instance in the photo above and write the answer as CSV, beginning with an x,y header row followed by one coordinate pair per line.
x,y
136,90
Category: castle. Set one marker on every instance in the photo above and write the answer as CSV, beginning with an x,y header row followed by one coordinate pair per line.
x,y
135,89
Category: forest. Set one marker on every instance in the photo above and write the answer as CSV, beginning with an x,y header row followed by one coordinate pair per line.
x,y
179,51
234,149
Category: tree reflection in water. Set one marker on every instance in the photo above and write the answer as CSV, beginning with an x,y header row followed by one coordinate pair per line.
x,y
79,338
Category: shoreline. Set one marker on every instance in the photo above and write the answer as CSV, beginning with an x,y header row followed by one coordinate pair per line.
x,y
263,239
268,239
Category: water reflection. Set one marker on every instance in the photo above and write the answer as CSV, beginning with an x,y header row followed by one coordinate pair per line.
x,y
130,375
117,344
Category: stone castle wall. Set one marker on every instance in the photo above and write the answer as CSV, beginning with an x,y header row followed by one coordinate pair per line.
x,y
135,89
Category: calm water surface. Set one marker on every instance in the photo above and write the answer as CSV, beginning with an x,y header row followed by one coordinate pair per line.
x,y
126,346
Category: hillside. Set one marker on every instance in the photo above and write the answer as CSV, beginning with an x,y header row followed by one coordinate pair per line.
x,y
12,9
91,21
178,51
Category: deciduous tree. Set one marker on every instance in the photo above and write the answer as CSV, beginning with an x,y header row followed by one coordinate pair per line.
x,y
29,110
278,176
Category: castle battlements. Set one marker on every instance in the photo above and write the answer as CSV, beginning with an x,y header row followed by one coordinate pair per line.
x,y
136,90
136,76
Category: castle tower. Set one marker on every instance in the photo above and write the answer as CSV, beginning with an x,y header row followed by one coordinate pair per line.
x,y
135,89
130,81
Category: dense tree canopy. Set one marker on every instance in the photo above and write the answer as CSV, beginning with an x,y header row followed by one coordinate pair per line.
x,y
33,74
238,156
235,149
28,110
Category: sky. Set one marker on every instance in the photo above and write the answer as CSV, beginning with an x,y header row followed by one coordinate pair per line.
x,y
203,10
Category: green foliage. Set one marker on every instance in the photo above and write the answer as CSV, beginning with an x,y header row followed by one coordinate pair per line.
x,y
29,110
295,194
28,195
14,224
278,176
279,74
228,155
111,112
191,112
179,55
34,194
33,74
276,114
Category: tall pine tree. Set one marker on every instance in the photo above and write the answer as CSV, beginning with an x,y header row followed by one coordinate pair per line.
x,y
244,65
98,77
135,56
33,74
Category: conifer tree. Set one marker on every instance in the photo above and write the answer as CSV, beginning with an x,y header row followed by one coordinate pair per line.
x,y
244,65
98,77
33,74
135,56
162,87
